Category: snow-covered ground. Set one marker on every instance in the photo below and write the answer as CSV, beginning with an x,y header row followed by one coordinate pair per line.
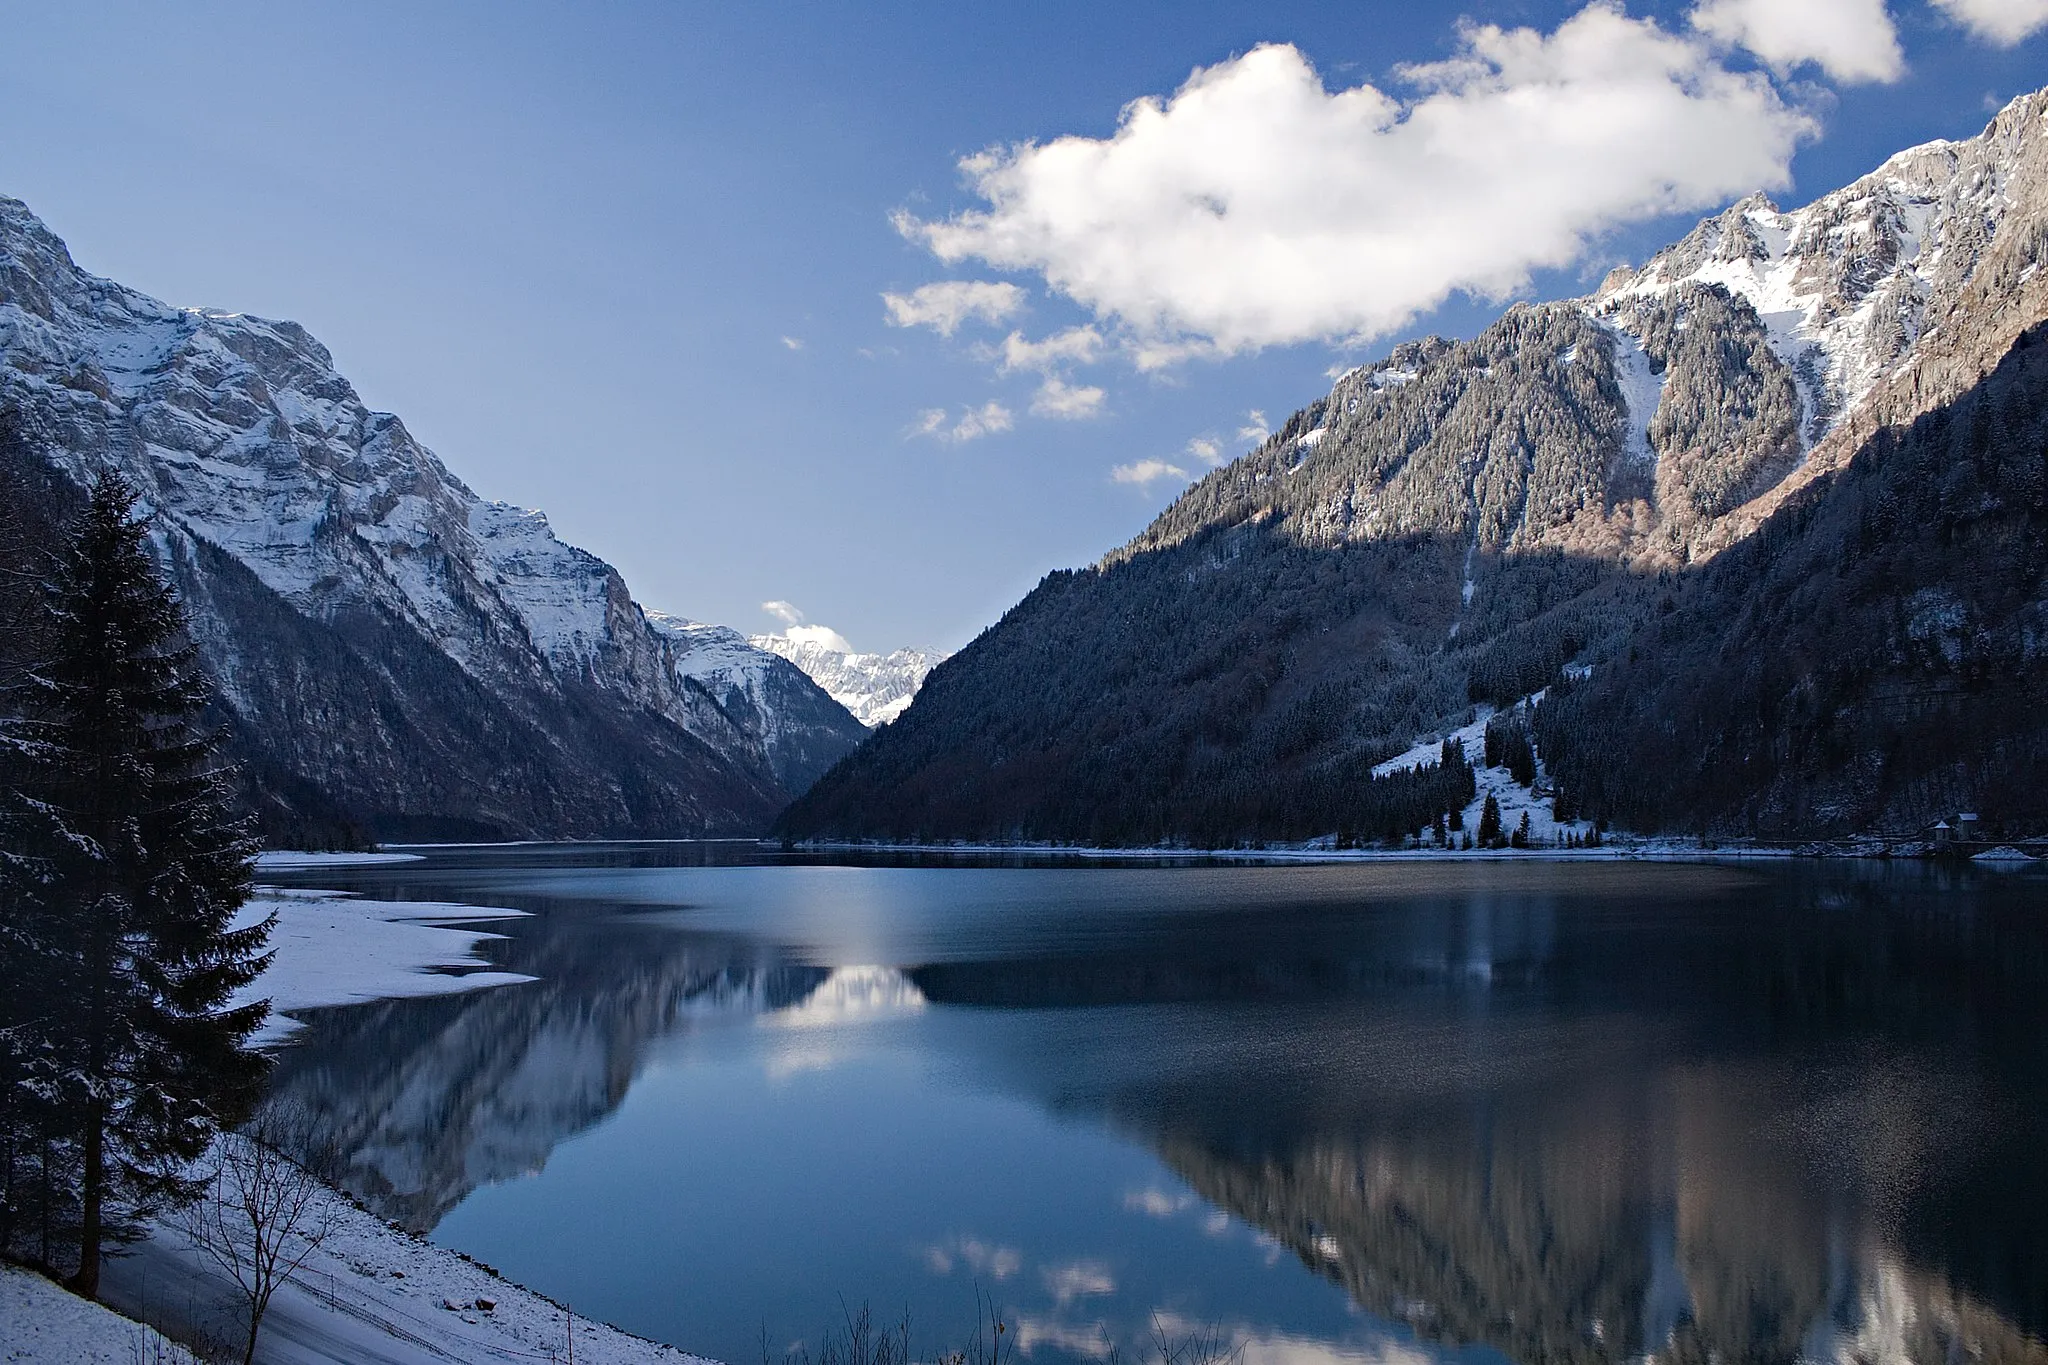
x,y
1514,799
371,1295
329,948
41,1324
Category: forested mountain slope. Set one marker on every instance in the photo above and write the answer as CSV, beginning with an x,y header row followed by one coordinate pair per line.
x,y
393,654
1457,523
1875,653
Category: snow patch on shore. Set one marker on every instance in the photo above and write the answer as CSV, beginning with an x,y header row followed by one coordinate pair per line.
x,y
329,948
288,861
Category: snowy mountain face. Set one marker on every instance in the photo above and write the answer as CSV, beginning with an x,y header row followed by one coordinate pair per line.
x,y
802,726
1462,521
386,642
876,688
1656,419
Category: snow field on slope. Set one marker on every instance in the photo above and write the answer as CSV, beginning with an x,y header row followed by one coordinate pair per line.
x,y
375,1295
42,1324
1513,798
1642,391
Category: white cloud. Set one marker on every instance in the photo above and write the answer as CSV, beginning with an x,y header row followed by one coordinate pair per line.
x,y
1074,346
1852,40
1078,1280
1208,451
1049,357
2004,22
1250,1345
1059,399
986,420
794,628
1157,1203
823,636
793,343
1254,207
1254,428
945,305
1145,473
1089,1342
982,1258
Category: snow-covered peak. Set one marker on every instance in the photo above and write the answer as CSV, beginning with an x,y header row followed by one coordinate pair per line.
x,y
703,648
877,688
802,728
240,435
1846,285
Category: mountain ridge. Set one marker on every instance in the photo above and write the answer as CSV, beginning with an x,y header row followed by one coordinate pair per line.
x,y
250,449
876,688
1456,523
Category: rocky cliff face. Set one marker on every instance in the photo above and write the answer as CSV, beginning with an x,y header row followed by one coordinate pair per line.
x,y
1455,524
1653,420
392,651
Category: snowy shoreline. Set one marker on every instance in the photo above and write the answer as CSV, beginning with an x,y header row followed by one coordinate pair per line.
x,y
374,1294
333,948
1616,850
1674,851
286,860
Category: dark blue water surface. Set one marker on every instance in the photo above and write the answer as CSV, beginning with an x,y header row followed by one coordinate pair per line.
x,y
1398,1111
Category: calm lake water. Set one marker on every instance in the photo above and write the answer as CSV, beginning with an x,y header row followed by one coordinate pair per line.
x,y
1485,1111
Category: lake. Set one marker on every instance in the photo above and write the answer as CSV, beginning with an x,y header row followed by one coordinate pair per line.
x,y
1402,1111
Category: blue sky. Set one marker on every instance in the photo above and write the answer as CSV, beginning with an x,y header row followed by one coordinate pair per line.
x,y
626,262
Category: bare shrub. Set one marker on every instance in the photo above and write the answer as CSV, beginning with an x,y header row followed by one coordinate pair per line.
x,y
262,1214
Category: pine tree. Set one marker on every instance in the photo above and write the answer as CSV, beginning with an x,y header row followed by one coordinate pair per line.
x,y
1489,823
1520,839
129,869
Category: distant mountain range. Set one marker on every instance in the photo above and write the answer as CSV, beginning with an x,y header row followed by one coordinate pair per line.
x,y
1762,523
877,688
395,656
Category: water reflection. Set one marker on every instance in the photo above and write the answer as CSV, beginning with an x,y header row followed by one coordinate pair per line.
x,y
1561,1113
422,1101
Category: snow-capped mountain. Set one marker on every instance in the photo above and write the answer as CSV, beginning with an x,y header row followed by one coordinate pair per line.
x,y
1460,521
877,688
1886,296
1659,417
394,650
802,734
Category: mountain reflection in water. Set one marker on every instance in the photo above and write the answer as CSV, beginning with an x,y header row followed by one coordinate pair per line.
x,y
1557,1112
